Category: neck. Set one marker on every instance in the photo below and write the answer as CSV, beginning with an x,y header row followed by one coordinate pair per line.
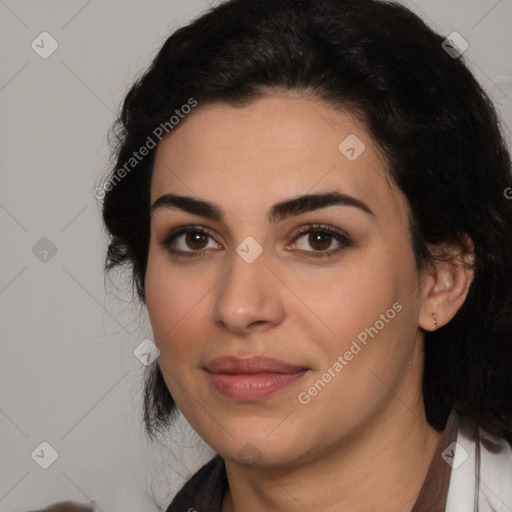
x,y
382,468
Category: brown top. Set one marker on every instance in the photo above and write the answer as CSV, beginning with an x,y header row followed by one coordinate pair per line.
x,y
205,491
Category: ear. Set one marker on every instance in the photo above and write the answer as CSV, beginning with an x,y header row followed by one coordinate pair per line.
x,y
445,282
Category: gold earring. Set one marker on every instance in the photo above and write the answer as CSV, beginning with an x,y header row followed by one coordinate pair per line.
x,y
435,320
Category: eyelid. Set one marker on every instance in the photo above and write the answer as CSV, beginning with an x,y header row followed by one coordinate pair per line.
x,y
185,229
318,226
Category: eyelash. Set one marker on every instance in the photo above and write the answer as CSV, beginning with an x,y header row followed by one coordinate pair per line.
x,y
344,240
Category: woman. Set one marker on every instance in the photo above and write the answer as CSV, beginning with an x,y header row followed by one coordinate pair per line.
x,y
311,197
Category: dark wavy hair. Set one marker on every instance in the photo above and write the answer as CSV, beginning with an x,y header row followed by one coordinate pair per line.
x,y
437,128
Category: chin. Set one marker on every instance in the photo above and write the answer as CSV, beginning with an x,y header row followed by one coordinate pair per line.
x,y
259,443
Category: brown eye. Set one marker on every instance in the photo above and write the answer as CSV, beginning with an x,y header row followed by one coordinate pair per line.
x,y
319,240
189,241
196,240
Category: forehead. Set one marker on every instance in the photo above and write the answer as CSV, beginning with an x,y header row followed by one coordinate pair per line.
x,y
276,147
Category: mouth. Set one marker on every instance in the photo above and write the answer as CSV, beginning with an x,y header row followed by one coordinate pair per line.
x,y
252,378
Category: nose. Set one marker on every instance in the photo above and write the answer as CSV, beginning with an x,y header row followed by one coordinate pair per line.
x,y
249,297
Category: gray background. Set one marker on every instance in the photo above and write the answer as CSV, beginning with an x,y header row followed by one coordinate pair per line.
x,y
68,375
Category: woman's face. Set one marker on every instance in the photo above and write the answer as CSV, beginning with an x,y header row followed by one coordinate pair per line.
x,y
325,285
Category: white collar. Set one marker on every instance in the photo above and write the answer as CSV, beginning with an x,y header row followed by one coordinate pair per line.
x,y
495,474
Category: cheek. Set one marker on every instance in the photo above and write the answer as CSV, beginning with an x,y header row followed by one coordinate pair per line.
x,y
166,299
370,308
355,297
177,302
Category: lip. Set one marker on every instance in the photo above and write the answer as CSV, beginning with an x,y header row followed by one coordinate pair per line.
x,y
253,364
251,378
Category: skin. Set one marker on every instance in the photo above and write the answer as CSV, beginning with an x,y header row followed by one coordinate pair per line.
x,y
363,442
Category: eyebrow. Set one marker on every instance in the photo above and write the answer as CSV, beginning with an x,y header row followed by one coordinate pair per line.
x,y
278,212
